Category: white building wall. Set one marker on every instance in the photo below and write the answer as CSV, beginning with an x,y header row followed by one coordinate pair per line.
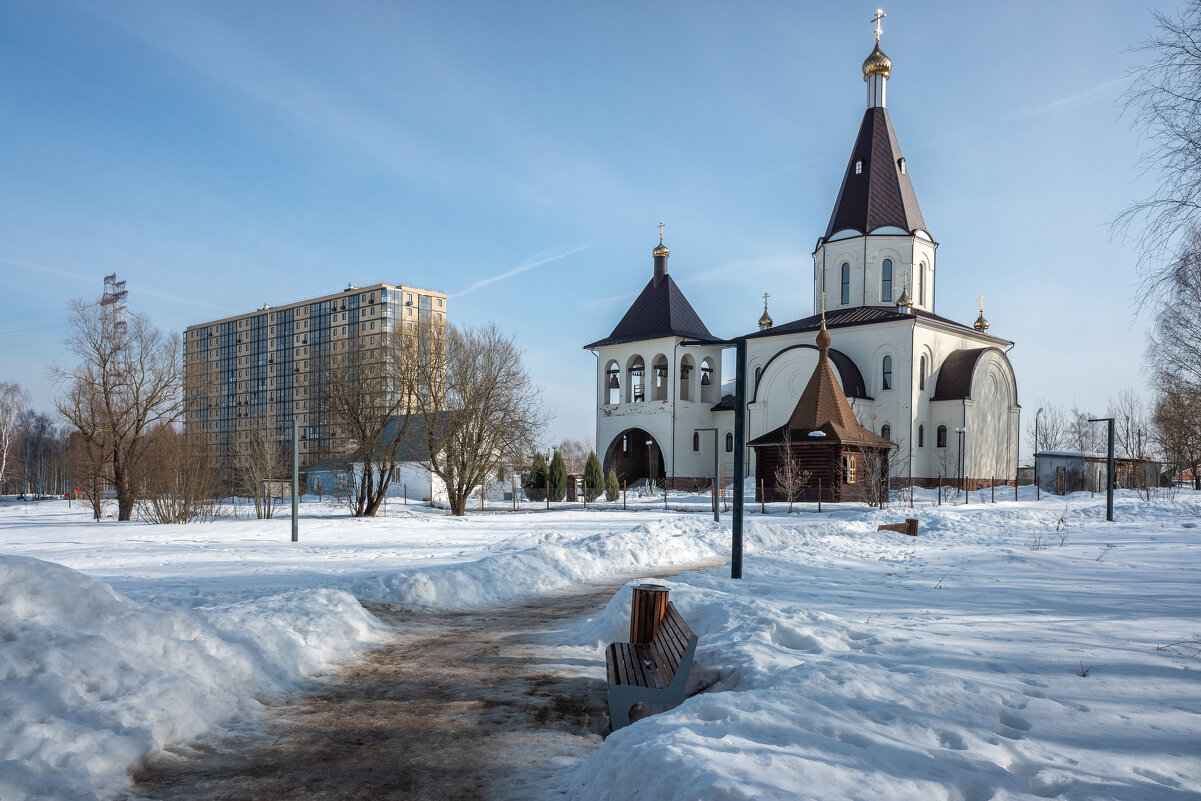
x,y
912,253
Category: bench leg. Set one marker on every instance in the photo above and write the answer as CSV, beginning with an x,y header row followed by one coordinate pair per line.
x,y
621,701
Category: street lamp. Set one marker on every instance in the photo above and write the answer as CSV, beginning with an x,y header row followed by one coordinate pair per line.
x,y
1109,466
716,508
1037,487
961,432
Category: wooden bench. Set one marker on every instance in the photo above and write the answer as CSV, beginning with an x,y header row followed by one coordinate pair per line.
x,y
654,672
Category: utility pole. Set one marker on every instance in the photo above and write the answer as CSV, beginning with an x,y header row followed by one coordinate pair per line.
x,y
295,480
1109,468
716,477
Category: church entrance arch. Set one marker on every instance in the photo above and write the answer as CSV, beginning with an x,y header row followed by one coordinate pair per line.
x,y
635,454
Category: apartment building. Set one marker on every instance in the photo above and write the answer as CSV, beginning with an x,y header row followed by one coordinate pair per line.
x,y
257,371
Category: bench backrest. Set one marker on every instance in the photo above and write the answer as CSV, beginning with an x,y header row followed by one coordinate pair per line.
x,y
670,642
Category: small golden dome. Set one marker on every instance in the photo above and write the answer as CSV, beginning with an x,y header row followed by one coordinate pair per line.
x,y
661,250
904,301
877,62
765,320
823,337
981,324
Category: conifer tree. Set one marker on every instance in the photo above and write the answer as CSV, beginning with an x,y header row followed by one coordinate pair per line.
x,y
535,482
558,478
612,488
594,477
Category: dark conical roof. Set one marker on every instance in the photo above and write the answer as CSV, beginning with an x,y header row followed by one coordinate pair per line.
x,y
881,193
661,310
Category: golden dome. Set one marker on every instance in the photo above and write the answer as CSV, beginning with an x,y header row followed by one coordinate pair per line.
x,y
765,320
904,301
981,324
661,250
877,62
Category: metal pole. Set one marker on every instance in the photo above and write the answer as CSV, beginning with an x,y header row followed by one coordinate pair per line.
x,y
716,513
739,455
1109,465
295,480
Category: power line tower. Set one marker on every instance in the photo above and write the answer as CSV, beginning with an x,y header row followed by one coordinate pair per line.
x,y
113,303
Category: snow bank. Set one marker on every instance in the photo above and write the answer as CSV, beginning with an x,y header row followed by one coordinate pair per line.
x,y
94,682
993,657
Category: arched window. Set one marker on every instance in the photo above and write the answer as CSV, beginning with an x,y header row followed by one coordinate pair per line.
x,y
886,373
921,285
696,440
758,375
729,442
858,167
886,432
921,436
942,436
846,283
625,443
921,374
886,281
848,469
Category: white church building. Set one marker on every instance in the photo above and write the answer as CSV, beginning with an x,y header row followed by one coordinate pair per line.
x,y
944,392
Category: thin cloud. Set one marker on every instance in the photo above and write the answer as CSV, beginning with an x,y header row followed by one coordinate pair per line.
x,y
1064,102
92,280
516,271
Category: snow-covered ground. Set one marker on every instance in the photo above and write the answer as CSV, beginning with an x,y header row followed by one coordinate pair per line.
x,y
991,657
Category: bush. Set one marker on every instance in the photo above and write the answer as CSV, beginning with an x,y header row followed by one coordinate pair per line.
x,y
612,488
594,477
558,478
535,482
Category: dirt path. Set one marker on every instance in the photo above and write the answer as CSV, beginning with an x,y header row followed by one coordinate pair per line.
x,y
459,706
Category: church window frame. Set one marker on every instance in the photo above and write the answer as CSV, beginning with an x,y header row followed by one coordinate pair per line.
x,y
886,281
846,283
921,436
758,375
848,469
859,167
941,438
886,432
886,373
696,441
921,285
729,442
921,374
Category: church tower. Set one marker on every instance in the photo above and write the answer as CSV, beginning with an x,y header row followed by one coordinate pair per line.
x,y
876,246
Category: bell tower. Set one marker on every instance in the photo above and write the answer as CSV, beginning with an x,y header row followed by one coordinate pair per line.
x,y
876,247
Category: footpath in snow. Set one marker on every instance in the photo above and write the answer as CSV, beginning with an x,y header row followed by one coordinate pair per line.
x,y
994,656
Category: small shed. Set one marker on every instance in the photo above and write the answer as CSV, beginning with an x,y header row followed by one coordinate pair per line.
x,y
1064,472
829,448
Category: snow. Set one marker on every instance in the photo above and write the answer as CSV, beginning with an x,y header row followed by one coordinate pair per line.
x,y
847,663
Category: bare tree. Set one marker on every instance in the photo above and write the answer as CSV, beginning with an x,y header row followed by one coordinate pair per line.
x,y
1165,101
480,408
1131,425
180,483
258,458
1047,431
1083,435
125,387
575,455
13,402
37,439
1174,347
371,395
1176,422
791,479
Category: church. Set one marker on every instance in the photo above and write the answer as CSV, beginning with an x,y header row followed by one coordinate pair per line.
x,y
943,393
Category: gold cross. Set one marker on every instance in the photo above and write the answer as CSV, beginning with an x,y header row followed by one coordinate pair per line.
x,y
823,307
661,226
981,299
876,19
905,279
765,297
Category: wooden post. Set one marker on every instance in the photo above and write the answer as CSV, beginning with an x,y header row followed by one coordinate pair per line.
x,y
514,490
762,496
648,608
548,493
940,489
585,494
624,486
1015,487
406,486
482,498
819,494
994,489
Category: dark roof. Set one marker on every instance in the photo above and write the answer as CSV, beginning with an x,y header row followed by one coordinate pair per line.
x,y
881,194
955,375
726,404
862,315
660,311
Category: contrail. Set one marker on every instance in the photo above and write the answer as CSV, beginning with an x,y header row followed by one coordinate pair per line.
x,y
528,266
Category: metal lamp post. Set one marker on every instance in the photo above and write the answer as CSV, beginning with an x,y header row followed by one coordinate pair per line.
x,y
739,446
962,432
1038,488
1109,467
716,489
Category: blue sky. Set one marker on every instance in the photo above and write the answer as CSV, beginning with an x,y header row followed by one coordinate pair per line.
x,y
518,156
